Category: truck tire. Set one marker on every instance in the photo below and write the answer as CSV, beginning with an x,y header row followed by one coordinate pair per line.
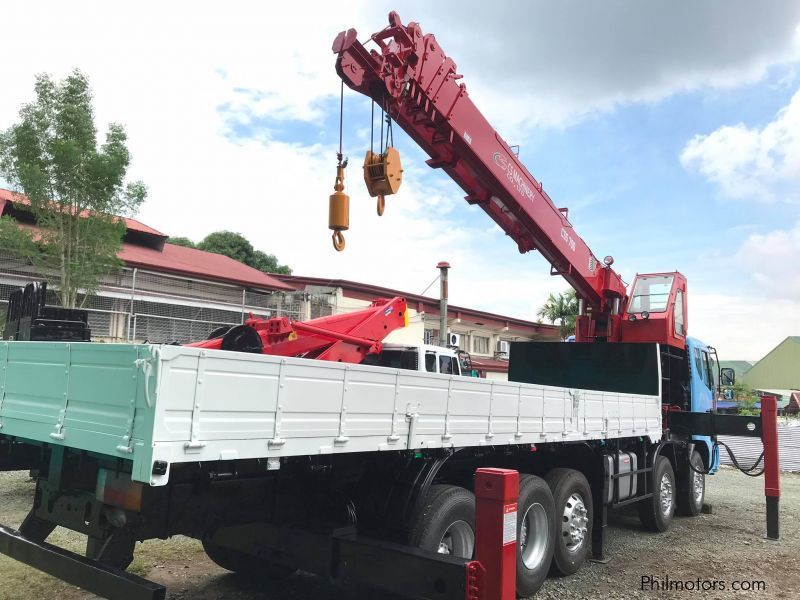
x,y
656,512
692,487
245,564
572,498
536,534
445,522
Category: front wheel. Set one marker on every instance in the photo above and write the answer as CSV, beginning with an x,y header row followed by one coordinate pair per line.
x,y
692,487
656,512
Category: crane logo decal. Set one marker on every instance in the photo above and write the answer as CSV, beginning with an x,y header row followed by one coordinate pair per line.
x,y
514,176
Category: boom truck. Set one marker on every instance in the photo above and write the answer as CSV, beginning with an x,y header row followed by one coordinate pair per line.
x,y
285,446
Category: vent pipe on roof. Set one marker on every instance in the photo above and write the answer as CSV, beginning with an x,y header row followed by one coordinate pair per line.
x,y
443,268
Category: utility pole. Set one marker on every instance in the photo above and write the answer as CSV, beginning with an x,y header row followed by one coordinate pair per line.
x,y
443,268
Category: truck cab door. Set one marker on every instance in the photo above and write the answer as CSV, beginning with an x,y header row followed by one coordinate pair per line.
x,y
703,388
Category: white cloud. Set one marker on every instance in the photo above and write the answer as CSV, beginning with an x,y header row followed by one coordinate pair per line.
x,y
542,62
771,260
164,69
742,326
752,163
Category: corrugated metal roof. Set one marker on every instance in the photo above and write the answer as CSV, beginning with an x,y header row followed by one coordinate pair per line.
x,y
7,196
176,259
200,264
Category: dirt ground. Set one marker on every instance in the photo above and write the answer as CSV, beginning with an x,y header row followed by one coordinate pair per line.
x,y
725,547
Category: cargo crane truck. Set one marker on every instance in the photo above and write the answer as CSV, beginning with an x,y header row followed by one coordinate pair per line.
x,y
285,446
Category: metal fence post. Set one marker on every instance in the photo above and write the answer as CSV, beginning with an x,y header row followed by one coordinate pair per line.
x,y
130,311
496,494
772,478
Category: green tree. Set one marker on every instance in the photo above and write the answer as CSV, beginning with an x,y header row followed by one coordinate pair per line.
x,y
181,241
238,247
75,187
746,398
268,263
233,245
562,308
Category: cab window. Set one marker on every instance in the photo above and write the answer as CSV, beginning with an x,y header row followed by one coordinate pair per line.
x,y
446,365
710,370
430,362
651,293
680,324
699,366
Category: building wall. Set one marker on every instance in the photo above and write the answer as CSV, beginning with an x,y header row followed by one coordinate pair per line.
x,y
780,369
133,305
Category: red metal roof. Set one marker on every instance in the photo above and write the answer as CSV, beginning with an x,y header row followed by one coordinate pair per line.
x,y
176,259
7,196
200,264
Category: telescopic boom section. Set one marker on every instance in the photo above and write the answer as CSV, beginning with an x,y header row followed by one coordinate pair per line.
x,y
417,83
347,337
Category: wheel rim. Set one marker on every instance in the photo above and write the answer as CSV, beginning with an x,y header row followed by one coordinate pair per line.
x,y
666,494
533,536
458,540
574,522
698,486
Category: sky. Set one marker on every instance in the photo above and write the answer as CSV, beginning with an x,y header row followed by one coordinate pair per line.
x,y
671,130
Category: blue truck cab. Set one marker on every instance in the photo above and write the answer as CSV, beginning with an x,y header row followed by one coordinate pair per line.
x,y
703,386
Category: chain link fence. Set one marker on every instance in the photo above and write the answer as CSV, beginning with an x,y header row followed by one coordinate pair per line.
x,y
134,305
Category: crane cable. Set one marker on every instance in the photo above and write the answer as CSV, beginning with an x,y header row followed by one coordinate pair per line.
x,y
339,217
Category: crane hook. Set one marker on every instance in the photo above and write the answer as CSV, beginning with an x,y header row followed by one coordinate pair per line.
x,y
339,208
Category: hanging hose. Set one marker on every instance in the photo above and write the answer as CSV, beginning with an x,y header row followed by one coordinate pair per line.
x,y
749,471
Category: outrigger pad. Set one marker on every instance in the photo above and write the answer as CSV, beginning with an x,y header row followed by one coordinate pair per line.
x,y
610,367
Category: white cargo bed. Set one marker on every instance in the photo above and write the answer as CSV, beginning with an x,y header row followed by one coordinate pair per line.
x,y
214,405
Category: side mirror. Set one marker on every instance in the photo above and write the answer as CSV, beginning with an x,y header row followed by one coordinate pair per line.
x,y
727,376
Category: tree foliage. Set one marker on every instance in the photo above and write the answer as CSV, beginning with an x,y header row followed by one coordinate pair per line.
x,y
75,187
561,308
181,241
237,247
745,397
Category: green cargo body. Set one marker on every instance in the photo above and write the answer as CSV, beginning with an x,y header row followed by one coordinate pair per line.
x,y
80,395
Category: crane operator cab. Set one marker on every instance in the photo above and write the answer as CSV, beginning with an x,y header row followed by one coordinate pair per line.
x,y
656,310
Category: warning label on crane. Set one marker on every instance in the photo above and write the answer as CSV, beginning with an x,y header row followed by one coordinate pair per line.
x,y
509,524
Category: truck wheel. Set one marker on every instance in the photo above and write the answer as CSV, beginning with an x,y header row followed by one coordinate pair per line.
x,y
446,522
692,487
573,511
656,512
536,534
245,564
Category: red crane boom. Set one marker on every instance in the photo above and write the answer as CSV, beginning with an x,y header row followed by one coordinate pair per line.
x,y
418,85
348,337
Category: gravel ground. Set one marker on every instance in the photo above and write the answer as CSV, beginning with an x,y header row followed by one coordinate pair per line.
x,y
725,547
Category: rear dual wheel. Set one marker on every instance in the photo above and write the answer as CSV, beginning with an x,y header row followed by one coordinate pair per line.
x,y
446,522
536,534
573,511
